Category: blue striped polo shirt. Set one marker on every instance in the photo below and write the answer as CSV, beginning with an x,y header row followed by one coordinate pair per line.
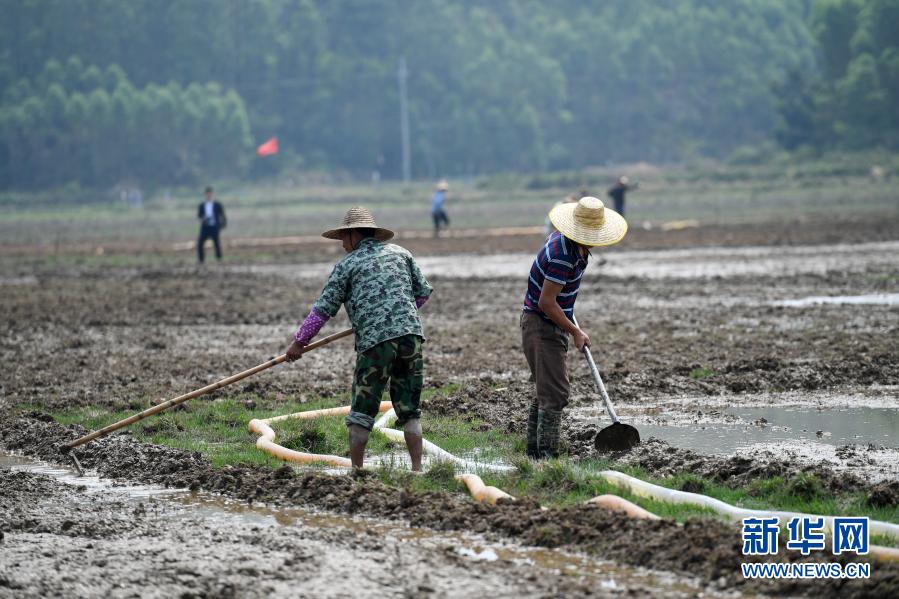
x,y
559,262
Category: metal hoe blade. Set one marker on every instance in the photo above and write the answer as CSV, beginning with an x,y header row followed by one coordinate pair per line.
x,y
617,437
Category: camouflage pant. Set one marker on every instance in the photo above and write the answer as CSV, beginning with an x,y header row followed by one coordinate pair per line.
x,y
398,361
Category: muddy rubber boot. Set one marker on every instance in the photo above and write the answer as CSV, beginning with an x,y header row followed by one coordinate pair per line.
x,y
549,425
532,432
358,439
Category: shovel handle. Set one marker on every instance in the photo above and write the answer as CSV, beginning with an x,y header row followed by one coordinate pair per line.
x,y
207,389
598,379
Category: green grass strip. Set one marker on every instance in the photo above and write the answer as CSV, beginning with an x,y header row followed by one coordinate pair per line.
x,y
218,430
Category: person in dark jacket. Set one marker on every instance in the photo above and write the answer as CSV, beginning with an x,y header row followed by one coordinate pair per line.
x,y
212,220
437,202
618,191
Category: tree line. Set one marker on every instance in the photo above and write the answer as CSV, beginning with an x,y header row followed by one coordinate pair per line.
x,y
851,101
98,91
90,125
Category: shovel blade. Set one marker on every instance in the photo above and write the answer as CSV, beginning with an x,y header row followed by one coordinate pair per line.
x,y
618,437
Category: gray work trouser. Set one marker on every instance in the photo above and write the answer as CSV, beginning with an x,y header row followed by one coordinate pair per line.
x,y
546,347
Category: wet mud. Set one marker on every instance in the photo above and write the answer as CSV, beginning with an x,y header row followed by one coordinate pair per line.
x,y
122,338
110,542
668,346
706,550
506,408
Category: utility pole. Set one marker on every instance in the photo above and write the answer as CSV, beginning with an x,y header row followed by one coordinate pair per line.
x,y
402,73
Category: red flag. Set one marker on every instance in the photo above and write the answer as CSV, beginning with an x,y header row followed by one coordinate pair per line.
x,y
268,148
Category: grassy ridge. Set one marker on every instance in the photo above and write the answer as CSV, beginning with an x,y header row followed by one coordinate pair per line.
x,y
218,430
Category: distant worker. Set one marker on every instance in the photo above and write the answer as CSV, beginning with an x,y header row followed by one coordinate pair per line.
x,y
212,220
437,211
547,317
618,191
381,287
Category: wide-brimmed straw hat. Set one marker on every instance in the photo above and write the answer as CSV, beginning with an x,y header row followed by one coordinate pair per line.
x,y
442,185
358,217
588,222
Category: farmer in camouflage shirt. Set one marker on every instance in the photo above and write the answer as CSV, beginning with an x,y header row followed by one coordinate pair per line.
x,y
382,289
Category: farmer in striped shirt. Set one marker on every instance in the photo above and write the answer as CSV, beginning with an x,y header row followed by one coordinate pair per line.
x,y
547,318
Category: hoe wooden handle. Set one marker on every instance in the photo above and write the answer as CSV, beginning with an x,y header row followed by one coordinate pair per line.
x,y
207,389
598,379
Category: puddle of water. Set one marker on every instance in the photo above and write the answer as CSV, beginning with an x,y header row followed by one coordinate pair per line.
x,y
692,263
16,281
751,426
90,482
476,463
683,408
399,460
222,511
886,299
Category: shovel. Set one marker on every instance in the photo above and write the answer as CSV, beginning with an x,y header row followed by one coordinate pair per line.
x,y
618,436
68,447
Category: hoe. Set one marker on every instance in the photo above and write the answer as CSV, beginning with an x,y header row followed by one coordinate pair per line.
x,y
68,447
618,436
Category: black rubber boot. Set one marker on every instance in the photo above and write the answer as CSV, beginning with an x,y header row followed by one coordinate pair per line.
x,y
549,425
532,432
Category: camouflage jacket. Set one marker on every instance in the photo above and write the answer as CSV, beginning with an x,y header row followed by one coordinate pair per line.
x,y
378,284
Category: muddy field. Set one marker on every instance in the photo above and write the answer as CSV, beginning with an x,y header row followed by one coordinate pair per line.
x,y
96,539
748,352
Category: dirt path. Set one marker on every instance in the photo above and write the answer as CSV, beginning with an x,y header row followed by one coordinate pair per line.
x,y
801,231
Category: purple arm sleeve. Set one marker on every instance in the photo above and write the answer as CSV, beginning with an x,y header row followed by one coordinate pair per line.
x,y
420,301
311,326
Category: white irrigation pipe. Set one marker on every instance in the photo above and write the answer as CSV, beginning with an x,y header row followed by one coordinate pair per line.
x,y
488,494
479,491
644,489
266,440
430,448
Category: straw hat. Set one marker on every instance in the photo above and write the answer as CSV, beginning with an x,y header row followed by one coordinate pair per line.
x,y
588,222
442,185
358,217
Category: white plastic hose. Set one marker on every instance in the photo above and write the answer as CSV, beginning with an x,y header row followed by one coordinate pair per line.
x,y
266,440
266,443
430,448
481,492
645,489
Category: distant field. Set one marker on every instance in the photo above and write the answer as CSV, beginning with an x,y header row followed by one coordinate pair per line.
x,y
724,195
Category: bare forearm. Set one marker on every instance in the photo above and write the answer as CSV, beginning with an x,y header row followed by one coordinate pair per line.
x,y
552,309
549,305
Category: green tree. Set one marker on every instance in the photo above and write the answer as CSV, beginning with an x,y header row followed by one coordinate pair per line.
x,y
500,85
